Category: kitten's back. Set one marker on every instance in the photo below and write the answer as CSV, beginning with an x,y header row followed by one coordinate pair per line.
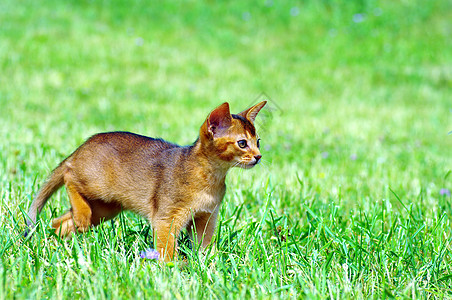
x,y
118,166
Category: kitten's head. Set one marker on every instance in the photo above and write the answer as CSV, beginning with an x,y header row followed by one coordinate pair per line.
x,y
232,138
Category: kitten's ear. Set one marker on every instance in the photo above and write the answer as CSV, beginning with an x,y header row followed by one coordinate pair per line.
x,y
251,113
219,119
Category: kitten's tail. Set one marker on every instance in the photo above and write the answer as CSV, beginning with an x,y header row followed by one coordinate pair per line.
x,y
55,181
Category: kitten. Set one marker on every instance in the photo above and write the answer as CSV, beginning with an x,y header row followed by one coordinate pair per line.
x,y
173,187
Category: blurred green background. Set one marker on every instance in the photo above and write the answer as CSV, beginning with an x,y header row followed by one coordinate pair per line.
x,y
359,97
369,80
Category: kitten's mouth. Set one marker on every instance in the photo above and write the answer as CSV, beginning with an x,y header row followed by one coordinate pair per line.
x,y
248,165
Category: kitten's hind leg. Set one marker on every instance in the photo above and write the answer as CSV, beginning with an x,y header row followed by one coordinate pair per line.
x,y
64,224
78,218
100,211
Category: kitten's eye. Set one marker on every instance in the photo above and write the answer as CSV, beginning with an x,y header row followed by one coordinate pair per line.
x,y
241,143
258,143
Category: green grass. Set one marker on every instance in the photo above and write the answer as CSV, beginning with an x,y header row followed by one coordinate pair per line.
x,y
355,142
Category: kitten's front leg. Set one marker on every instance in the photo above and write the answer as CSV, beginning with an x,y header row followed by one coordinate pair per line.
x,y
167,230
203,225
166,242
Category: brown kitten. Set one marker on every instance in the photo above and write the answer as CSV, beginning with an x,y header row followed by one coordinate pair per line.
x,y
172,186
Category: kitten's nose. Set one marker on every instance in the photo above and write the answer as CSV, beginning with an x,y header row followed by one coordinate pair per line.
x,y
257,158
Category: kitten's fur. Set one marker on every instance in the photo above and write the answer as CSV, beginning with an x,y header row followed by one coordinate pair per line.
x,y
172,186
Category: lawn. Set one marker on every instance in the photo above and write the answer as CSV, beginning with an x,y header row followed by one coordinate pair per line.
x,y
352,199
